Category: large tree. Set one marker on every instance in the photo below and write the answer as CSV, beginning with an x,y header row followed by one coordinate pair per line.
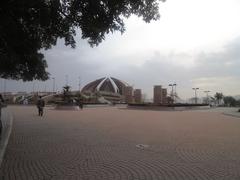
x,y
230,101
219,97
27,26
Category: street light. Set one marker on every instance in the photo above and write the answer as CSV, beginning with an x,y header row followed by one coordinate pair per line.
x,y
33,87
5,86
207,95
195,89
175,94
79,83
53,84
172,94
66,80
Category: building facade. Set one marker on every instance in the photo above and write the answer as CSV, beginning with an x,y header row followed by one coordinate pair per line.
x,y
137,94
164,96
128,94
159,95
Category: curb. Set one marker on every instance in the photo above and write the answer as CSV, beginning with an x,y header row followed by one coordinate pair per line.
x,y
233,115
6,132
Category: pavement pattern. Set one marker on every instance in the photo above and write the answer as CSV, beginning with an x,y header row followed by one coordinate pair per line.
x,y
6,121
111,143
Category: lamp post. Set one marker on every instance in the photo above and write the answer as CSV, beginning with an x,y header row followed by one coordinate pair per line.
x,y
33,87
79,83
53,84
207,95
5,86
172,93
195,89
66,77
45,88
175,94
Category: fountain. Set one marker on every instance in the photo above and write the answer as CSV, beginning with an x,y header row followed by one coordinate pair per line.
x,y
67,102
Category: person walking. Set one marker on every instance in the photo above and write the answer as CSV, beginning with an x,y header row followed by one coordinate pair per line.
x,y
40,106
81,104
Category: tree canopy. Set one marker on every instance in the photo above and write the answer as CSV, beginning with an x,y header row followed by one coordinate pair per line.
x,y
219,97
27,26
230,101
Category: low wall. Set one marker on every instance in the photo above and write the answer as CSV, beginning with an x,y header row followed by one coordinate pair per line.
x,y
168,108
191,108
65,107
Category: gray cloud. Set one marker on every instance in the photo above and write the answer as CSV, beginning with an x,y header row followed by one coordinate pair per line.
x,y
212,71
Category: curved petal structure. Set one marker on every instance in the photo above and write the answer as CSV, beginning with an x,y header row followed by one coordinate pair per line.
x,y
106,84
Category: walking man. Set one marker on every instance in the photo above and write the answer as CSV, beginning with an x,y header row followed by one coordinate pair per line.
x,y
40,106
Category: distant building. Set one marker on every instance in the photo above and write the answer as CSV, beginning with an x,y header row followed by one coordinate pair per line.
x,y
128,94
164,96
137,94
159,95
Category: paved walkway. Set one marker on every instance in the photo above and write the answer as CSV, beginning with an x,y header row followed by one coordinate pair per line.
x,y
233,112
6,120
230,111
119,144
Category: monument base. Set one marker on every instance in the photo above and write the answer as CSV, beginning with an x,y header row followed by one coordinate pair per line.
x,y
67,107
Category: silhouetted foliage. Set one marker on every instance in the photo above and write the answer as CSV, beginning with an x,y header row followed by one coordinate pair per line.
x,y
230,101
219,97
27,26
66,93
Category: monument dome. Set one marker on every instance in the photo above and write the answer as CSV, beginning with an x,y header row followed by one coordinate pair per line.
x,y
107,88
106,84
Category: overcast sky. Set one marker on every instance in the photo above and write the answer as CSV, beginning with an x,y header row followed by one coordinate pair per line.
x,y
195,44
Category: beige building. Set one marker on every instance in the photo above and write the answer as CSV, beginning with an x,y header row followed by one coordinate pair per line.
x,y
159,95
164,96
137,95
128,94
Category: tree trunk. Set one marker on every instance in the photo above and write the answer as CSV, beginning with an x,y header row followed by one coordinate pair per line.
x,y
0,121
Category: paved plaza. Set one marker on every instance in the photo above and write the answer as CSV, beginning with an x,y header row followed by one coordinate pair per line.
x,y
112,143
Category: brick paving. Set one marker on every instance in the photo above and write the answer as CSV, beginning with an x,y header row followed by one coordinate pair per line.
x,y
110,143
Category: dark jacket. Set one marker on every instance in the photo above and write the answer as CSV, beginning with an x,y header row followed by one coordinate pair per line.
x,y
40,103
